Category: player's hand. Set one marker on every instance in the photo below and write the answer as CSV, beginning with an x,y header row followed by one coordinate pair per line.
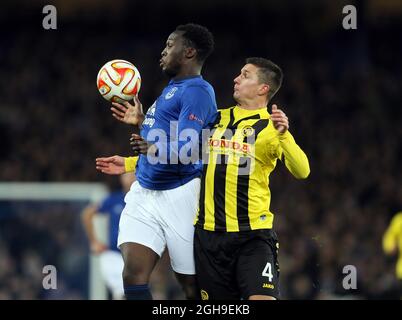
x,y
140,145
98,247
128,113
279,119
111,165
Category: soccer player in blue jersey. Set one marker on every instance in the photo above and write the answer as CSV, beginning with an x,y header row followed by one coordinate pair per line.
x,y
162,204
111,262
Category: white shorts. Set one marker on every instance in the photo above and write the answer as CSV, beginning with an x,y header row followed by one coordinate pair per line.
x,y
111,265
160,218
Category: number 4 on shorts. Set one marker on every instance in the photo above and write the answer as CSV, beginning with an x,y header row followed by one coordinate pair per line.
x,y
267,272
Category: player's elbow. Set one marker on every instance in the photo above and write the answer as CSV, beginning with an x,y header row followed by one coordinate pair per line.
x,y
302,174
88,213
305,174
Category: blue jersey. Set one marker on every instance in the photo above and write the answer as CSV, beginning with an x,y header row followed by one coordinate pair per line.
x,y
113,205
187,103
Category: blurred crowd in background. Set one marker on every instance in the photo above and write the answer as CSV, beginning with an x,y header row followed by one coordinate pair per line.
x,y
341,92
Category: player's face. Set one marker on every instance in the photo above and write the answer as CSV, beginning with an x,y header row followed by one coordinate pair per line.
x,y
247,85
173,54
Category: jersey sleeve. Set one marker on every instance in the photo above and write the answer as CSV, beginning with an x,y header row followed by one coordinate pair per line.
x,y
293,156
130,163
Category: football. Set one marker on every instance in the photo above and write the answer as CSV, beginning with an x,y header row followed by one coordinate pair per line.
x,y
118,81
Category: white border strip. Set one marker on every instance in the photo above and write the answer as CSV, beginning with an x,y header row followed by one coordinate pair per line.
x,y
52,191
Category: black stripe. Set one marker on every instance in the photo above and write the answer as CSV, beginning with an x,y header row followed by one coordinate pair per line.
x,y
220,192
243,180
201,214
256,116
259,126
231,120
215,123
204,143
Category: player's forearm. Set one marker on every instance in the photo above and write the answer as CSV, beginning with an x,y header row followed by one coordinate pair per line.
x,y
295,159
87,221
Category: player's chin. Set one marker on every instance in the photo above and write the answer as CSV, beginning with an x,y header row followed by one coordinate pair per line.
x,y
236,96
169,72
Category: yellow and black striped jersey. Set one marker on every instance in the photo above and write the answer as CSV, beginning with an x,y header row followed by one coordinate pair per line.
x,y
242,151
392,241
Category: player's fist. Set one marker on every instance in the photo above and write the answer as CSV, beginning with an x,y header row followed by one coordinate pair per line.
x,y
279,119
98,247
111,165
141,146
128,113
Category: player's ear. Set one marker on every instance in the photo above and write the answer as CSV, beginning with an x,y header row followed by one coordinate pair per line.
x,y
264,89
190,52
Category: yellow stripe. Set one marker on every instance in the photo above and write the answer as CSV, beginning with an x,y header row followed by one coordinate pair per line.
x,y
209,205
232,223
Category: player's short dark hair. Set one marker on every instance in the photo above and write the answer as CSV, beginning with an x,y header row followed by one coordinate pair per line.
x,y
199,38
269,73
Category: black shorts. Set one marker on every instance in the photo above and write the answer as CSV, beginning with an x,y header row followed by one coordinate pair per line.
x,y
236,265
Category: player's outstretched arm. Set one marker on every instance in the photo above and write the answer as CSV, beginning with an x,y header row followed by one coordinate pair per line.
x,y
128,113
111,165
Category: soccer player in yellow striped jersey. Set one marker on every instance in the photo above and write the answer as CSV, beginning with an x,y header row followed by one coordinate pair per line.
x,y
392,243
235,245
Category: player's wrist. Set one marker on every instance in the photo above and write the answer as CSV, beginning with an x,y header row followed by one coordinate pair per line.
x,y
129,164
140,119
283,135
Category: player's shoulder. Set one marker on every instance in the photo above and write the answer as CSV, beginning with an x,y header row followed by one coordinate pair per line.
x,y
201,91
198,83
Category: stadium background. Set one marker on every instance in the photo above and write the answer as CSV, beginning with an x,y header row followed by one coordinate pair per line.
x,y
342,93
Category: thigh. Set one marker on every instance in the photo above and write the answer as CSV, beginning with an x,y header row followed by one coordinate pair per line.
x,y
139,225
215,269
178,208
258,268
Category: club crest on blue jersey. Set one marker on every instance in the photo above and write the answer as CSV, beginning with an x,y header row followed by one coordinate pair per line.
x,y
151,110
171,93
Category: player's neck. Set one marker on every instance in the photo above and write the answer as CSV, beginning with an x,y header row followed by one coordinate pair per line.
x,y
252,105
188,71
